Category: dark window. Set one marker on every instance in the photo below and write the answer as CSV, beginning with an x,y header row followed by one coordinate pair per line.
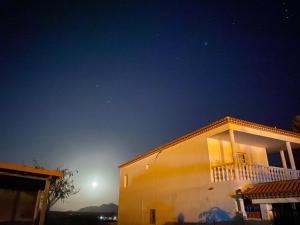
x,y
152,216
241,157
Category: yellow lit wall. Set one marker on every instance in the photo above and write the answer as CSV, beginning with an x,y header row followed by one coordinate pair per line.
x,y
220,152
177,182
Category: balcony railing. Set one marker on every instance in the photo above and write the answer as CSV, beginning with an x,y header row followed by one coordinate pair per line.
x,y
255,173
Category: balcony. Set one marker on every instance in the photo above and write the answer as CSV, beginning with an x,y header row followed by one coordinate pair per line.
x,y
254,173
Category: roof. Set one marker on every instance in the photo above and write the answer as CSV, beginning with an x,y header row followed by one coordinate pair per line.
x,y
218,123
29,170
277,189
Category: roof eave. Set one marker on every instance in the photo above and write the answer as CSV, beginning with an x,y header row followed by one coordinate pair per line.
x,y
218,123
30,170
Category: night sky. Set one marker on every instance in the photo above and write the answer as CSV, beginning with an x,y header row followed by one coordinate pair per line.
x,y
89,85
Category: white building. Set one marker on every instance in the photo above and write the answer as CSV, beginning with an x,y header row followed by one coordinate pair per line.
x,y
208,175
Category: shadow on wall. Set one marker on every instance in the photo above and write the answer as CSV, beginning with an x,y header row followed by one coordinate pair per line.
x,y
215,214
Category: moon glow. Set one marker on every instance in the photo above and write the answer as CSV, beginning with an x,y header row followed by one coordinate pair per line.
x,y
94,184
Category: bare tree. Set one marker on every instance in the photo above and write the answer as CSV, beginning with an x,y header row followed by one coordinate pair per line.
x,y
61,188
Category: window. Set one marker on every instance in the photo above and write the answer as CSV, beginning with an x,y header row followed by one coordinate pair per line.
x,y
125,181
241,157
152,216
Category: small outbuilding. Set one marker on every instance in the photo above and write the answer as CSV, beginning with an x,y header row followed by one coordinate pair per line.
x,y
23,194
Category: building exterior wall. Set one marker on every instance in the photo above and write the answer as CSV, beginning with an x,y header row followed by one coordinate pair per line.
x,y
173,183
17,206
176,183
7,198
157,181
220,152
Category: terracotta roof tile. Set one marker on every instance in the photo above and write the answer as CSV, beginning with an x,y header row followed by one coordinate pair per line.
x,y
277,189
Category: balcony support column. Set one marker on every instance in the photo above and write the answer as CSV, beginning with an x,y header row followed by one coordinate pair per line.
x,y
283,161
240,203
222,152
233,147
242,209
290,153
266,211
44,202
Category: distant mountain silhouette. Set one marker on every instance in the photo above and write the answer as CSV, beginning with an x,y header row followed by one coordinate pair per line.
x,y
104,208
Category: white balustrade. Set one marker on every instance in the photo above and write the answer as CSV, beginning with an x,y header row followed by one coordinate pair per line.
x,y
255,173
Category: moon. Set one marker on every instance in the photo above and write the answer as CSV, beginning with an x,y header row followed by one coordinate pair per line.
x,y
94,184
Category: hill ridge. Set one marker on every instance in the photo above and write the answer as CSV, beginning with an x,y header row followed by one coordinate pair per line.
x,y
104,208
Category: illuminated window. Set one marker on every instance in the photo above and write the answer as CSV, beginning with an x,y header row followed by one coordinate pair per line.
x,y
125,181
152,216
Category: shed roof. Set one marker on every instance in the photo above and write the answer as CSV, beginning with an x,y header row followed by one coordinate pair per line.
x,y
12,168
